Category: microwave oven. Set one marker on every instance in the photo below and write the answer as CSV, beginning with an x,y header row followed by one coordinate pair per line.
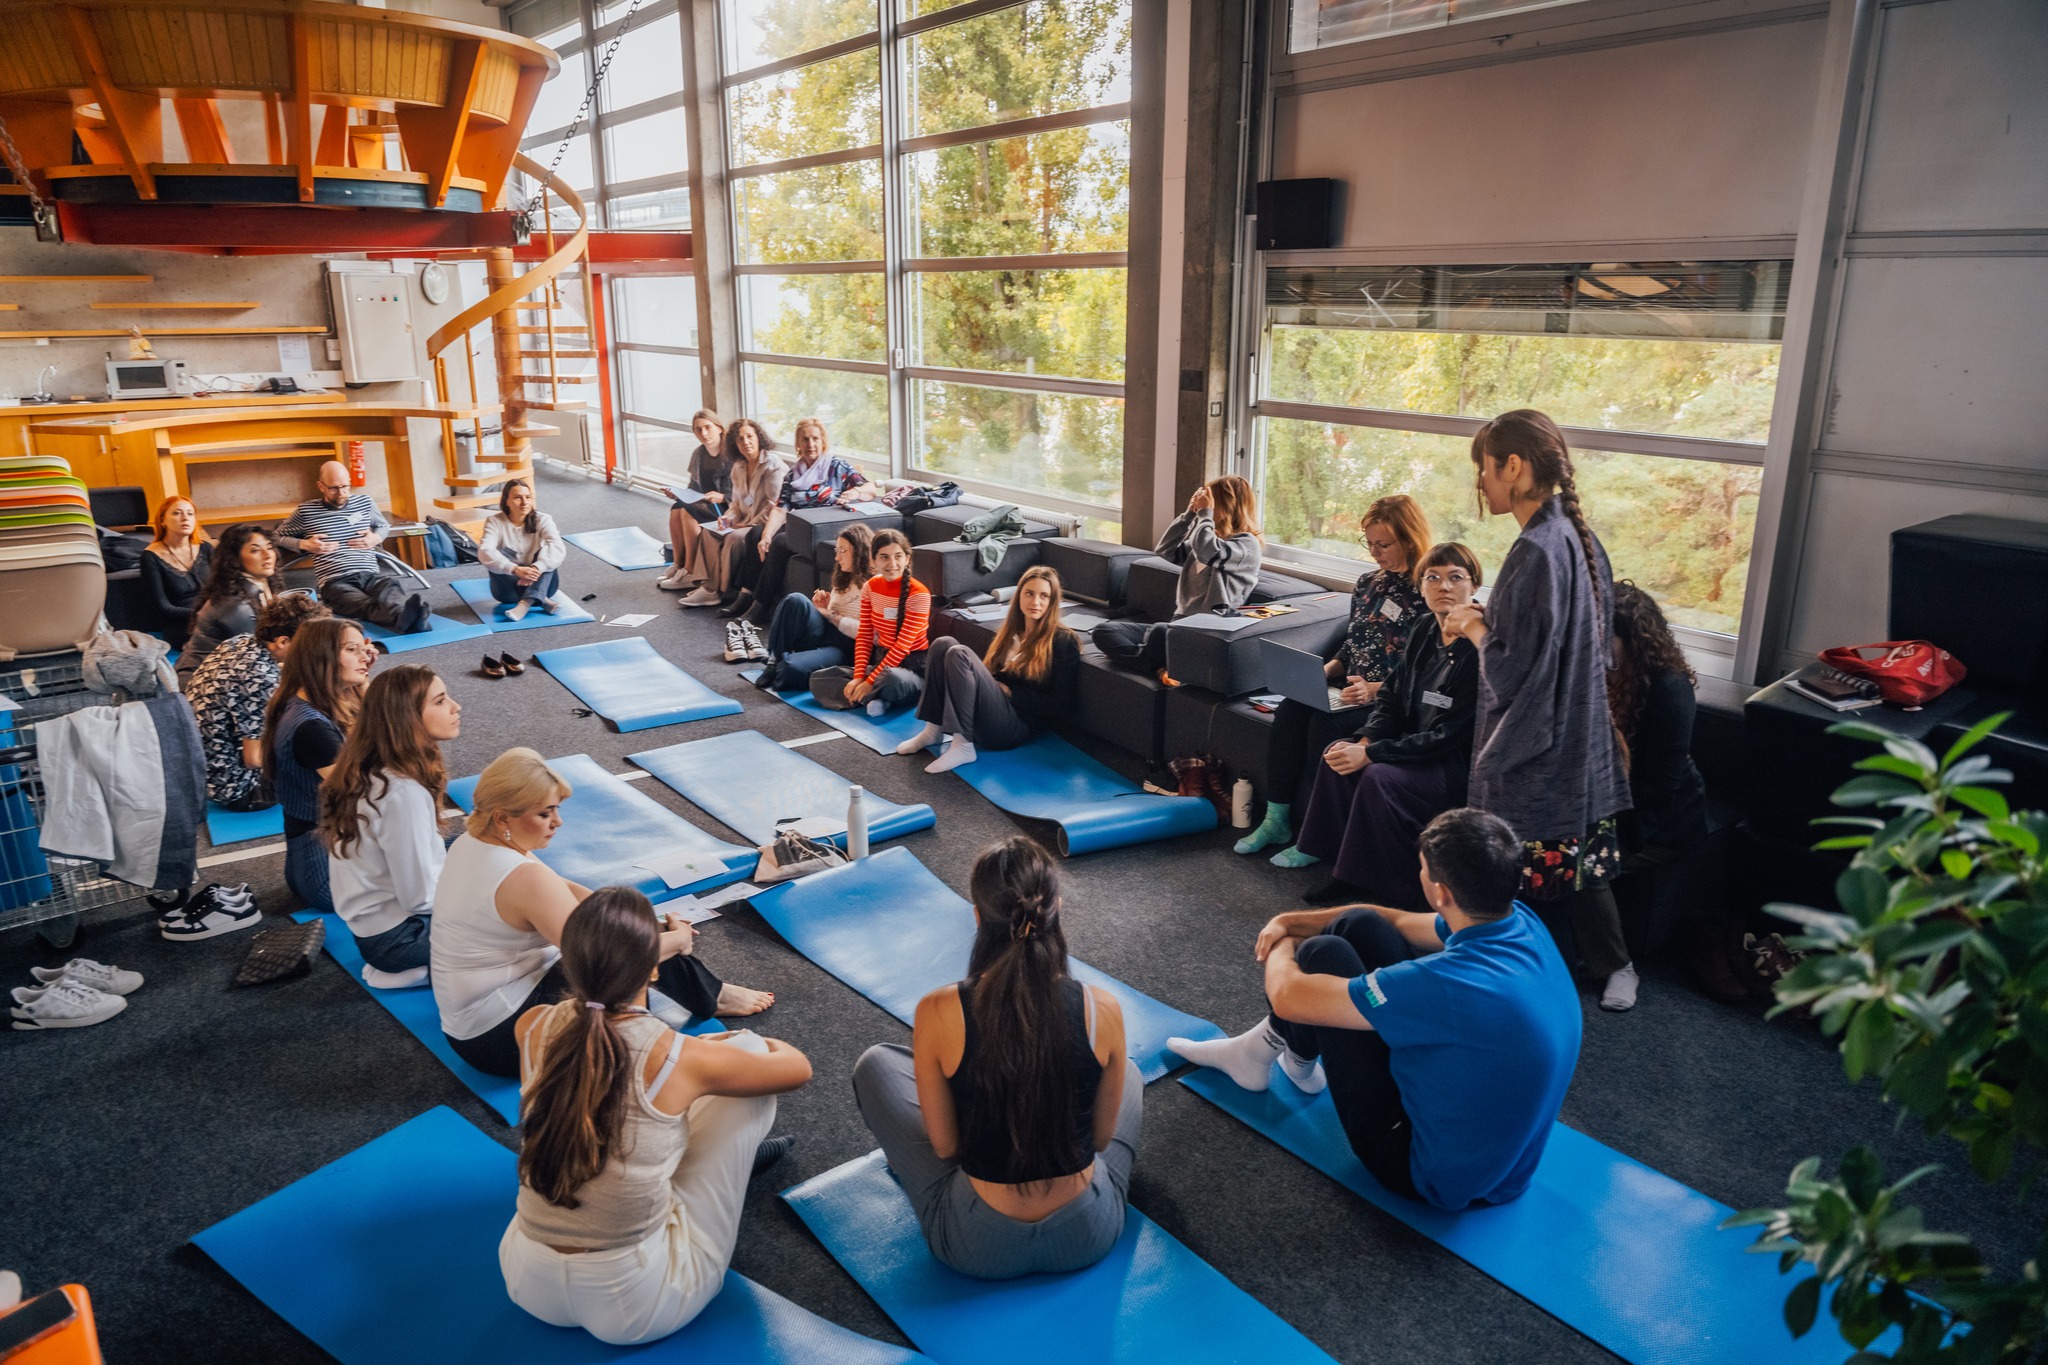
x,y
145,379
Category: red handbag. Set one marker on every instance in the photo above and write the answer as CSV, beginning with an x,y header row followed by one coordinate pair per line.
x,y
1907,672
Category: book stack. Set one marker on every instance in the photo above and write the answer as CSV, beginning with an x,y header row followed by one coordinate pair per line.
x,y
1834,689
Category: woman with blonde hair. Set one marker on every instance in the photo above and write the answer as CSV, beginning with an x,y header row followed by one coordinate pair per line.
x,y
498,917
816,479
757,473
319,692
1386,605
175,566
1024,683
380,820
1216,543
708,491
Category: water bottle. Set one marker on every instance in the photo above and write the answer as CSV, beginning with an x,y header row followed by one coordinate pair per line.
x,y
856,822
1241,804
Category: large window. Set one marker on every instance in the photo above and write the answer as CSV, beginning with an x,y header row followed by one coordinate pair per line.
x,y
930,229
1372,380
1327,23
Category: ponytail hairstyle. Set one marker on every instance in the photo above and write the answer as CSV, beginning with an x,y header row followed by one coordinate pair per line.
x,y
1235,507
1017,965
889,535
1533,436
576,1103
862,537
1646,650
390,738
1033,638
532,522
312,667
1403,516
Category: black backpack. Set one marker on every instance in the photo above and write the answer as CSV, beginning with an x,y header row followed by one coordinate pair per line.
x,y
925,499
461,545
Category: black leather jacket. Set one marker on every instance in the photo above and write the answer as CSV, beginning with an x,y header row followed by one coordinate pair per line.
x,y
1425,709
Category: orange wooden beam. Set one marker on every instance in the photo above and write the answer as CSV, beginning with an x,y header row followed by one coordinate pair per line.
x,y
135,122
334,120
298,113
486,152
206,135
433,136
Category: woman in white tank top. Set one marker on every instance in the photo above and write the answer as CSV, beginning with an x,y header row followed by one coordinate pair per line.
x,y
628,1210
499,912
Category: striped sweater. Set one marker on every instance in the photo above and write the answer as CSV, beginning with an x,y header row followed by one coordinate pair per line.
x,y
878,625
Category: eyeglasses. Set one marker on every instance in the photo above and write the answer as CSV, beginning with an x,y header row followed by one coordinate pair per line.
x,y
1435,579
334,488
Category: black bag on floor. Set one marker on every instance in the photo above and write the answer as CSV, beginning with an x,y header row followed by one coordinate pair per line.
x,y
463,543
283,952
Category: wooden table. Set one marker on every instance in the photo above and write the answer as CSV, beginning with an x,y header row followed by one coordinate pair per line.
x,y
103,466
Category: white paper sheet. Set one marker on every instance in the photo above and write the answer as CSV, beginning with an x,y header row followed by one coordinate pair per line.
x,y
680,869
636,619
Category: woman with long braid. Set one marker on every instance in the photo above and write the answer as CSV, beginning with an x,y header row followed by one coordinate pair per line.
x,y
1012,1119
1545,755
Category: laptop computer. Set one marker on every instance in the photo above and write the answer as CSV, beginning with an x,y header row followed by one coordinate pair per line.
x,y
1298,675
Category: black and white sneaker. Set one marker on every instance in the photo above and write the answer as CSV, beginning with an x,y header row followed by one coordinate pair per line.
x,y
750,636
736,648
210,915
213,893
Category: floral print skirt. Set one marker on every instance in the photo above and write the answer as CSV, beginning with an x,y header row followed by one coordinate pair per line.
x,y
1554,868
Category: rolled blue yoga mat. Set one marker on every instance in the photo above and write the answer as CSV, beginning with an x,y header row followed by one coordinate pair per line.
x,y
1628,1256
441,630
389,1256
1151,1301
476,594
631,685
224,826
1094,807
622,547
747,781
608,829
894,932
880,733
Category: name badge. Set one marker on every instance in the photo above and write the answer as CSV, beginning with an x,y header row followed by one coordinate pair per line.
x,y
1391,609
1436,699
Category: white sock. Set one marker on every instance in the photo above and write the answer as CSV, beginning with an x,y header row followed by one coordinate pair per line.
x,y
958,755
877,707
1308,1077
1247,1059
393,981
1619,994
554,604
931,734
518,609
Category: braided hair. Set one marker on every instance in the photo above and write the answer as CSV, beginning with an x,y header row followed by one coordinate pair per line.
x,y
1533,436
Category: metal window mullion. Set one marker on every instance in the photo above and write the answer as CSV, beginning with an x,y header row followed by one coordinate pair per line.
x,y
647,13
1036,498
809,268
957,14
804,163
1019,127
896,221
598,179
674,180
1025,383
814,362
655,348
1051,260
781,65
1584,438
633,113
655,421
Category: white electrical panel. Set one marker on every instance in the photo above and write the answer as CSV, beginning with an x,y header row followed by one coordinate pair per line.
x,y
373,314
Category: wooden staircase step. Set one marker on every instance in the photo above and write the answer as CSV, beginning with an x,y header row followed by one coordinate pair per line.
x,y
543,331
500,457
520,471
560,353
531,429
558,379
465,502
554,405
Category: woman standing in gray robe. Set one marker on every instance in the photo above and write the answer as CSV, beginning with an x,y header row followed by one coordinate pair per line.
x,y
1545,755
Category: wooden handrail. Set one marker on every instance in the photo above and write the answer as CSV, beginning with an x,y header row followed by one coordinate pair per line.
x,y
506,297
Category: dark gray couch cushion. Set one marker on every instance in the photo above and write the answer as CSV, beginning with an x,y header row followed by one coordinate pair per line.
x,y
1278,587
944,523
1120,707
811,527
1200,722
953,569
1231,663
1092,570
1149,585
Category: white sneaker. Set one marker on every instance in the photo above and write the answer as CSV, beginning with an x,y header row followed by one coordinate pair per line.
x,y
235,897
86,972
209,917
736,648
393,981
702,597
757,648
676,581
67,1005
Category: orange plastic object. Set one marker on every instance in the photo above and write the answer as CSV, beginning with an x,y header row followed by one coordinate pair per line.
x,y
76,1343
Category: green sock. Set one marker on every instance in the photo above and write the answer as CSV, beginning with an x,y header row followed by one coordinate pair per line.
x,y
1293,857
1274,829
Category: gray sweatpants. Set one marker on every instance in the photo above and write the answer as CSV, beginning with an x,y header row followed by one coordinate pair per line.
x,y
963,698
964,1232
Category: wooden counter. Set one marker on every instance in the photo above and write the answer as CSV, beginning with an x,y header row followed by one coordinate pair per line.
x,y
103,466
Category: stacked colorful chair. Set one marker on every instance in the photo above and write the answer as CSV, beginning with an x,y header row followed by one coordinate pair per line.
x,y
53,582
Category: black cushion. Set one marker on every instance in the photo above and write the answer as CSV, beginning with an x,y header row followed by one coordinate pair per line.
x,y
119,506
1720,748
953,569
1232,663
1278,587
1149,587
945,523
1119,706
1943,577
2020,746
801,576
1092,570
976,635
810,527
128,603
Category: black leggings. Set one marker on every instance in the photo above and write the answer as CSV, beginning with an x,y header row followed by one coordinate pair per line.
x,y
685,980
1358,1062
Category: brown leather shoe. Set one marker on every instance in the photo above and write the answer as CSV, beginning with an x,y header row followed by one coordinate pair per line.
x,y
492,668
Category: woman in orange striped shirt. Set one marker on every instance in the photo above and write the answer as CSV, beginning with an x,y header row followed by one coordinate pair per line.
x,y
888,651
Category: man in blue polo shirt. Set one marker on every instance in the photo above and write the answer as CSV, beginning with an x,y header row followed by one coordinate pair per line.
x,y
1447,1039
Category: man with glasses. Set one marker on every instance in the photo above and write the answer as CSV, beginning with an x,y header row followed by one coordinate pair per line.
x,y
341,529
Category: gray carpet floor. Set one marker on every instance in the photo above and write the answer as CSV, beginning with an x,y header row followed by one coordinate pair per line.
x,y
124,1140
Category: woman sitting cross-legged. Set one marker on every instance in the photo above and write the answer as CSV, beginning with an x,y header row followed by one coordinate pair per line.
x,y
1025,683
381,821
810,633
1375,792
229,694
889,647
704,499
637,1142
1216,543
1012,1119
175,567
498,916
240,578
523,553
319,692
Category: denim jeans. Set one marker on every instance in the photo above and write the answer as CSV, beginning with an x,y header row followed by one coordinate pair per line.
x,y
398,949
305,871
800,642
507,589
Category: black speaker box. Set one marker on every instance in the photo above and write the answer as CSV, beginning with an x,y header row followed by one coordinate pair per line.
x,y
1299,215
1978,587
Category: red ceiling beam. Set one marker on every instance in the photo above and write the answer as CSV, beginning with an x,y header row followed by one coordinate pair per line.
x,y
261,229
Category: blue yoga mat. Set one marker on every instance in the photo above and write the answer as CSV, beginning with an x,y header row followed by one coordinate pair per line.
x,y
631,686
224,826
1094,807
622,547
882,734
1151,1300
441,630
1628,1256
389,1256
748,781
607,828
476,592
891,930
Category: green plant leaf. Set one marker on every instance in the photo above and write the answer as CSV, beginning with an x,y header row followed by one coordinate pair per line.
x,y
1866,1047
1862,729
1986,802
1870,791
1862,1176
1890,763
1845,842
1957,863
1863,892
2015,834
1973,736
1913,751
1802,1305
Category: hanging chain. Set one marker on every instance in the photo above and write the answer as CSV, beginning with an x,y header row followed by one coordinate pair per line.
x,y
44,211
523,219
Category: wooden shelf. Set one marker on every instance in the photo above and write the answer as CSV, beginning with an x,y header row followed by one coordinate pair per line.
x,y
321,452
255,511
236,306
16,308
76,279
56,335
